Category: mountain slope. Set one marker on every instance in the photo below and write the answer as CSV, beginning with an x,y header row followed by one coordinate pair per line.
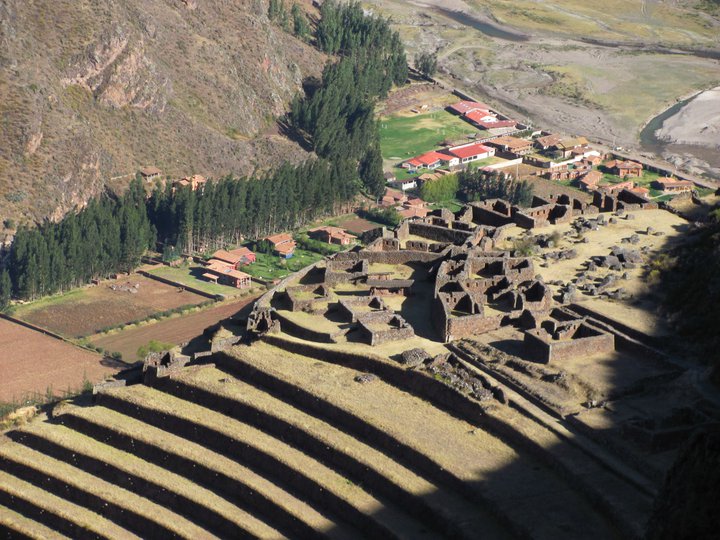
x,y
92,90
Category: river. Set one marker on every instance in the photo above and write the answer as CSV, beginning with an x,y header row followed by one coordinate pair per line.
x,y
486,27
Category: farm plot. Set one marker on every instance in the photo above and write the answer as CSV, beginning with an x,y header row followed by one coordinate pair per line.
x,y
33,363
175,330
89,310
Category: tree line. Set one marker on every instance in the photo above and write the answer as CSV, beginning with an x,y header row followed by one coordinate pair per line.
x,y
109,235
335,117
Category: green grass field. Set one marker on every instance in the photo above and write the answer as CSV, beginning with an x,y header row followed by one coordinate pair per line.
x,y
190,275
402,137
269,267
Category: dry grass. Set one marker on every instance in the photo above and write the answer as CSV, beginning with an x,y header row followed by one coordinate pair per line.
x,y
92,522
83,481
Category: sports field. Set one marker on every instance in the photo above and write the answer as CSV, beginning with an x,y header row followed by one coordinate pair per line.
x,y
403,136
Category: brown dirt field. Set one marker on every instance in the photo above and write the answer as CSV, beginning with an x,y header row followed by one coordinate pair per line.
x,y
175,330
414,96
358,225
32,362
95,308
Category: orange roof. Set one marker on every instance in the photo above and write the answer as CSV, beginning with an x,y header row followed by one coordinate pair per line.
x,y
285,248
464,107
591,178
478,115
395,194
416,202
428,158
335,232
469,150
222,268
616,163
279,239
667,181
413,212
232,257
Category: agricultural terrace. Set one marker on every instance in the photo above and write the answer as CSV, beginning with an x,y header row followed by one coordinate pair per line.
x,y
85,311
175,330
41,364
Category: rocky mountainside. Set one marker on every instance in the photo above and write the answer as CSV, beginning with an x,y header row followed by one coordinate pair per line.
x,y
92,90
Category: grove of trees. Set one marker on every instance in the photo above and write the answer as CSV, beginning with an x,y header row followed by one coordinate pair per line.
x,y
109,235
476,185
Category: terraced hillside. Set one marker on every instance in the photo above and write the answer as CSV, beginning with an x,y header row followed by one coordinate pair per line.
x,y
268,443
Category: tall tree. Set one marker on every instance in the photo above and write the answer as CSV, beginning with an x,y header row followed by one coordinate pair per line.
x,y
5,290
301,28
371,171
426,63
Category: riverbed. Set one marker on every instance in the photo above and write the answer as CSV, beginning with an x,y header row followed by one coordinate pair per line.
x,y
688,133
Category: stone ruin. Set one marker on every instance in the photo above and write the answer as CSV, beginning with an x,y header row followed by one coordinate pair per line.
x,y
474,295
476,289
163,364
561,337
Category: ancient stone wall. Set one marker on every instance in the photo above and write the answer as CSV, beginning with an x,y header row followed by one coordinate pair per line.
x,y
540,347
438,233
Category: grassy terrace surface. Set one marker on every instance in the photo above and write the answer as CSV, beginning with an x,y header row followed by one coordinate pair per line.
x,y
441,504
245,486
127,506
16,524
310,478
189,499
402,137
270,267
518,484
56,512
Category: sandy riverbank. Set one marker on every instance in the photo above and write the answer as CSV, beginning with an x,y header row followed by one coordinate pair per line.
x,y
697,123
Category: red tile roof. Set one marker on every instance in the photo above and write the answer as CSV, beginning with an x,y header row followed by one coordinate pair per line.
x,y
463,107
428,158
279,239
470,150
478,114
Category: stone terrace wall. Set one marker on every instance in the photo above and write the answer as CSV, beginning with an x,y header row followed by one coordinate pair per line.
x,y
390,257
438,233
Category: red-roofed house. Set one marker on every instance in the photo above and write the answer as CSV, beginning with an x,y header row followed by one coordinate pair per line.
x,y
414,202
430,160
413,212
195,182
236,257
673,185
221,272
480,115
332,235
471,152
283,244
590,181
625,168
617,188
464,107
150,173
